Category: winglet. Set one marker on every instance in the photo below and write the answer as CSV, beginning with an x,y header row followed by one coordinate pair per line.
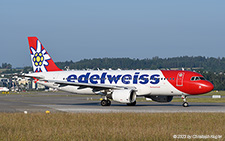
x,y
41,60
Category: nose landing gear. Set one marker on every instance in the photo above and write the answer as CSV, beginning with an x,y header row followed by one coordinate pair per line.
x,y
185,103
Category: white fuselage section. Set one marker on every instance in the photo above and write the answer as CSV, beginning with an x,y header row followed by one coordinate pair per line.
x,y
145,82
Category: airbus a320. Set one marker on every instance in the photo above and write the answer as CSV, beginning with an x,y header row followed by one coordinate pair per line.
x,y
122,86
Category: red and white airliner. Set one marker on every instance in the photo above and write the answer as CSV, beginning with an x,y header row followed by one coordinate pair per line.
x,y
119,85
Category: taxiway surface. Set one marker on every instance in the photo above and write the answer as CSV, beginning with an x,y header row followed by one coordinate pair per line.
x,y
63,102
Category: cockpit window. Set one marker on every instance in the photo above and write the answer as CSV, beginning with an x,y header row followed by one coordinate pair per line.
x,y
202,78
195,78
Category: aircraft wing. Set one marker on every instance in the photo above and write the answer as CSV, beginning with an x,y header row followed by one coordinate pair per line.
x,y
89,85
32,75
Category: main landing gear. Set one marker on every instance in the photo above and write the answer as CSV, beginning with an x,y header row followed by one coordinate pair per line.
x,y
185,103
105,102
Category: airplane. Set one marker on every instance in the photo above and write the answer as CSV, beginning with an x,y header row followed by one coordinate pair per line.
x,y
4,89
122,86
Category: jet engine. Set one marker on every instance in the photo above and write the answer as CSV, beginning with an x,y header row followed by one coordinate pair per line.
x,y
160,98
124,96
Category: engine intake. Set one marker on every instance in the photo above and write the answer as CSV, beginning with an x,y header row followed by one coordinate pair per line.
x,y
124,96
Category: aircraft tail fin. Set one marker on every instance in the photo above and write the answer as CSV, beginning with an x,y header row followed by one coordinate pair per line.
x,y
41,60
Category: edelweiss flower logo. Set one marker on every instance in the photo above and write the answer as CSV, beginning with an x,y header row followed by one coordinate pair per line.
x,y
39,58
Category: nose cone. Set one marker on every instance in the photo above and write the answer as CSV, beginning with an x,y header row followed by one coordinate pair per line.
x,y
207,87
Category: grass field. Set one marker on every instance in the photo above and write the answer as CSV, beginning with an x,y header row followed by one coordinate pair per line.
x,y
222,93
109,126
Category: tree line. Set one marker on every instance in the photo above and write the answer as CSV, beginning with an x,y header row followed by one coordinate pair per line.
x,y
207,63
6,66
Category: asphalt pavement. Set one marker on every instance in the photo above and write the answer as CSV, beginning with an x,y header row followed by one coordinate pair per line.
x,y
65,102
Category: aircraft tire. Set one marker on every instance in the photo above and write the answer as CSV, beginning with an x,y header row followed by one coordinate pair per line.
x,y
185,104
104,103
109,102
131,104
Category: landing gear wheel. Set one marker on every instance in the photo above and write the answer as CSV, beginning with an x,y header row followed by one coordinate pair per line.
x,y
105,102
109,102
131,104
185,104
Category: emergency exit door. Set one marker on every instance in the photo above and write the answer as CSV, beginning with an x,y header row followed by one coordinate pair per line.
x,y
180,79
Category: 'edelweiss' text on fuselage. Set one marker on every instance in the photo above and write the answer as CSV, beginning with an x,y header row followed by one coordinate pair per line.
x,y
113,79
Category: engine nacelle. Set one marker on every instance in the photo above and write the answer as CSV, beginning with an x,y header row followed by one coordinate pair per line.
x,y
124,96
161,98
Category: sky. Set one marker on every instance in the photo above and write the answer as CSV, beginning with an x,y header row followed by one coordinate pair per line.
x,y
75,30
